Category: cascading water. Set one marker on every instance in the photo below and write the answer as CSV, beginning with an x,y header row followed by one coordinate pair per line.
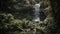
x,y
36,12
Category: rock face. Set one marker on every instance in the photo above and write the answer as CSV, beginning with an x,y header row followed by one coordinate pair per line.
x,y
36,12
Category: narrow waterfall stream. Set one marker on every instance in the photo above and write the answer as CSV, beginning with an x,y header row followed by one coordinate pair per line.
x,y
36,12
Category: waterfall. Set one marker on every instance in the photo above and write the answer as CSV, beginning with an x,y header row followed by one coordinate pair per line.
x,y
36,12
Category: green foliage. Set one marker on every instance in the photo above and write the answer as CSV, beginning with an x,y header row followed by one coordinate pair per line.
x,y
16,15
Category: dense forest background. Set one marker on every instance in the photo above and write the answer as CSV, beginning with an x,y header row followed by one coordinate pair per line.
x,y
16,16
